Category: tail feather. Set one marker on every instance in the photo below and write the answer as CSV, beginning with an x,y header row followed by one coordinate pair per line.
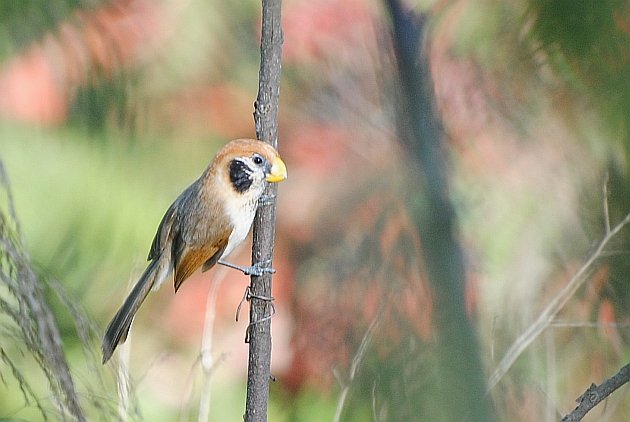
x,y
118,328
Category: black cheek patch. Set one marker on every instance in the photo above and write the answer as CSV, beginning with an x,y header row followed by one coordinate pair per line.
x,y
240,176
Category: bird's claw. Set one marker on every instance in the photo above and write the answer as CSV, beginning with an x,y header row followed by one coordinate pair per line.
x,y
259,268
256,270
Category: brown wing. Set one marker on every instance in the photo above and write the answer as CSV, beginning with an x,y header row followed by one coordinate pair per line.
x,y
213,259
192,258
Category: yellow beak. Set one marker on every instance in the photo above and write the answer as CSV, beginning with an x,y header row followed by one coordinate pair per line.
x,y
278,171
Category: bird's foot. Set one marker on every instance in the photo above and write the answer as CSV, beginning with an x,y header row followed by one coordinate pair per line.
x,y
257,269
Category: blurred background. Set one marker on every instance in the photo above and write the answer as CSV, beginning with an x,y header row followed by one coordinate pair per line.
x,y
109,109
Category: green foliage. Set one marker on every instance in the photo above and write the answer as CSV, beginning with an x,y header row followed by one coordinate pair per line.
x,y
588,43
22,22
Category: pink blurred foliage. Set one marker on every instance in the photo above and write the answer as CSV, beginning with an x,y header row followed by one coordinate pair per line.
x,y
607,318
465,96
223,108
383,279
314,30
30,90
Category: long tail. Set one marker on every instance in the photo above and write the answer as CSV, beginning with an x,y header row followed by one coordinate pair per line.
x,y
118,328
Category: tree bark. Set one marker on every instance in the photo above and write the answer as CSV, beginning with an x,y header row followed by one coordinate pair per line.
x,y
595,394
261,308
461,388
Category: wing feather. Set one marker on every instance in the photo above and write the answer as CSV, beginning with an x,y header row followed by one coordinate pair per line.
x,y
162,234
214,258
169,222
194,257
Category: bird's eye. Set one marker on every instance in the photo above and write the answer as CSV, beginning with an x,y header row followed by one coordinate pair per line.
x,y
258,160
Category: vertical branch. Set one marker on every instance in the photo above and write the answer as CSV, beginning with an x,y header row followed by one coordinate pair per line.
x,y
266,121
461,382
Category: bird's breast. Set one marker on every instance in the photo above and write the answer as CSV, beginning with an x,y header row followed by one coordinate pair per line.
x,y
241,215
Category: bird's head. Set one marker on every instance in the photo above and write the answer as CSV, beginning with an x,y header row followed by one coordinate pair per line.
x,y
246,164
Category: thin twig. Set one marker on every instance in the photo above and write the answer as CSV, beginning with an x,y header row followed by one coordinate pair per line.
x,y
552,376
354,367
552,309
375,415
588,324
594,394
124,380
124,376
606,212
208,363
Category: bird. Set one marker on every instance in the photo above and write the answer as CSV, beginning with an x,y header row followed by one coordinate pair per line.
x,y
206,222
